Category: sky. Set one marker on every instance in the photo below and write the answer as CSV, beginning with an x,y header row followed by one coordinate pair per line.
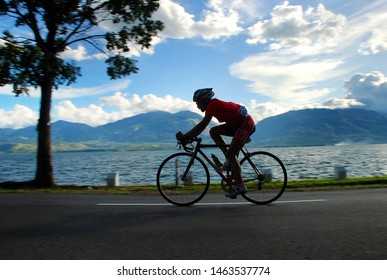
x,y
271,56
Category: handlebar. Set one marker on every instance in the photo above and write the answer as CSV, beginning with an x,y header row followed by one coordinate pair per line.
x,y
184,143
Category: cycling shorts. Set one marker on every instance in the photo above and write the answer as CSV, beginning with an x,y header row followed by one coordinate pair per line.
x,y
245,130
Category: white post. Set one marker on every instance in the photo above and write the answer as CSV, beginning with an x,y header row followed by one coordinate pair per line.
x,y
113,179
268,175
340,172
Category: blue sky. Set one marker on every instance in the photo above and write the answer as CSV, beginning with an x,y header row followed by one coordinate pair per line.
x,y
271,56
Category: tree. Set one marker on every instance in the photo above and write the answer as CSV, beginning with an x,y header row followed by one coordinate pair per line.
x,y
32,59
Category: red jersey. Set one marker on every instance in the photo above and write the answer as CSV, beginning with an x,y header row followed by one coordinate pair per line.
x,y
228,112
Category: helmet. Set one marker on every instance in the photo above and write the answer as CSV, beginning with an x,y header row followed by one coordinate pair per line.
x,y
203,93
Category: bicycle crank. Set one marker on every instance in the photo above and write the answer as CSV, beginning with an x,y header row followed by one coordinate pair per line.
x,y
227,184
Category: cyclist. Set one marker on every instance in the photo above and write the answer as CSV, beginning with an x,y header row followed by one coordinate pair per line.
x,y
237,124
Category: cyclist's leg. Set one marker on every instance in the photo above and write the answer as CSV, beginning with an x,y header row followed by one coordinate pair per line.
x,y
236,145
216,133
232,157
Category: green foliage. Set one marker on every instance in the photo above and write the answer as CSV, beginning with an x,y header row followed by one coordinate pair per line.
x,y
28,65
56,25
119,66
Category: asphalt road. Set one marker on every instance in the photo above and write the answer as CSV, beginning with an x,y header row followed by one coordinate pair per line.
x,y
333,225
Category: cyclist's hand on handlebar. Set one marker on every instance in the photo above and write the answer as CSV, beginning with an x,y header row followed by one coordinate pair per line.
x,y
180,138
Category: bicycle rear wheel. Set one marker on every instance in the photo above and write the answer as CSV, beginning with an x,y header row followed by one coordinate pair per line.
x,y
182,181
265,177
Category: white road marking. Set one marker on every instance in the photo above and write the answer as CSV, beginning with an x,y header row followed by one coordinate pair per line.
x,y
210,203
301,201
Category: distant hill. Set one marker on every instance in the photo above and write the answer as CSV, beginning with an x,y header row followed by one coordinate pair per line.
x,y
153,127
322,127
295,128
149,127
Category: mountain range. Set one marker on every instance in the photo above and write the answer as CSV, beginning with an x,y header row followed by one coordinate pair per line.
x,y
323,127
149,128
294,128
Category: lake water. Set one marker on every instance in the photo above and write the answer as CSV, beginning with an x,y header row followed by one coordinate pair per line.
x,y
140,167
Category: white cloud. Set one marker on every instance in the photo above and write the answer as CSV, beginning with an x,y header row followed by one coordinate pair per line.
x,y
136,104
18,117
291,71
369,25
118,106
80,54
308,32
73,92
260,111
248,10
220,20
309,48
369,89
376,43
285,79
336,103
8,90
177,21
108,88
93,115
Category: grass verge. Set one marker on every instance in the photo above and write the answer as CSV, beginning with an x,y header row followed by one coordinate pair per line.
x,y
334,184
297,185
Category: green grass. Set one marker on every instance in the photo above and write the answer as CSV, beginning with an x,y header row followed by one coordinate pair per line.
x,y
74,189
298,185
349,183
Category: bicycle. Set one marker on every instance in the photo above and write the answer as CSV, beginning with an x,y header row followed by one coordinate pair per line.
x,y
183,178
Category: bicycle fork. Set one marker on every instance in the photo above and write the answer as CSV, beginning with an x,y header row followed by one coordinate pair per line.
x,y
193,155
184,177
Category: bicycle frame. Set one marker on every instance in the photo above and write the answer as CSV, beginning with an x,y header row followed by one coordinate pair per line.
x,y
198,150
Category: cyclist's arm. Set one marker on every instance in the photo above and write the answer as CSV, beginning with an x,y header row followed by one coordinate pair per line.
x,y
197,129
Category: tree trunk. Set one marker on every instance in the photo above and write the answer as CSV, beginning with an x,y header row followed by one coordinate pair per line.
x,y
45,172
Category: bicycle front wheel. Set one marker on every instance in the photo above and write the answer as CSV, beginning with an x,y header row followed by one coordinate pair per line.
x,y
265,177
183,180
